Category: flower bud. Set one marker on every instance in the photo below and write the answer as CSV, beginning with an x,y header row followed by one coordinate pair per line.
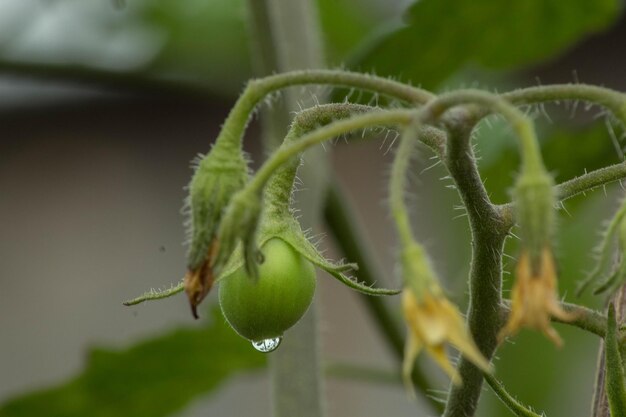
x,y
534,295
534,299
218,176
535,213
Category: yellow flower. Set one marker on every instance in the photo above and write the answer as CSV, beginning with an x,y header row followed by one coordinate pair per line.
x,y
534,299
432,321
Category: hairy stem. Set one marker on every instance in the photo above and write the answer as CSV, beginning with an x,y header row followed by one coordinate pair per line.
x,y
379,118
522,125
397,185
610,99
574,187
256,90
591,180
600,403
485,280
614,381
507,399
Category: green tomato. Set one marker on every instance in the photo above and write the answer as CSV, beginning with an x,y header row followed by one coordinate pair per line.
x,y
276,301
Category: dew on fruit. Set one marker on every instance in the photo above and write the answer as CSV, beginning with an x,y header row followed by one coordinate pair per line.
x,y
267,345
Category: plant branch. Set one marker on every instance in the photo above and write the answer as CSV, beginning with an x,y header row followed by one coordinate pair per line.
x,y
614,372
379,118
235,124
583,318
485,280
574,187
588,182
507,399
529,146
600,404
153,294
605,97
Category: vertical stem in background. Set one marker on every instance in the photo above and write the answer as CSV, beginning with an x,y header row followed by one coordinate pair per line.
x,y
600,403
343,226
287,38
485,280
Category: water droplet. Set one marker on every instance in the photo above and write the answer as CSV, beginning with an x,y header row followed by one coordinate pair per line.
x,y
267,345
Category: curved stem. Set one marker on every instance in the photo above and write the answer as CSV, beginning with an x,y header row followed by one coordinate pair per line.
x,y
156,294
507,399
397,185
256,90
529,146
583,318
574,187
279,187
278,158
610,99
590,181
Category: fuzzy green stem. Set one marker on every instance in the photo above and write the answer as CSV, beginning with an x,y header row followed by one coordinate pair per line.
x,y
156,294
279,186
605,97
507,399
485,280
591,180
338,128
574,187
614,371
397,184
522,125
256,90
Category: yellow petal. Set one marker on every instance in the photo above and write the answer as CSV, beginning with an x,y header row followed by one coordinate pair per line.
x,y
434,321
438,353
534,299
411,349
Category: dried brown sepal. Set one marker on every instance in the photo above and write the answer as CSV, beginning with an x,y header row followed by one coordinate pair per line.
x,y
199,282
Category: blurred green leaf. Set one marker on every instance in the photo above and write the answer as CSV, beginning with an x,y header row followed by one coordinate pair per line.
x,y
207,40
344,27
441,36
151,379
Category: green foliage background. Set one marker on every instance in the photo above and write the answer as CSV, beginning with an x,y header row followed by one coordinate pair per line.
x,y
430,43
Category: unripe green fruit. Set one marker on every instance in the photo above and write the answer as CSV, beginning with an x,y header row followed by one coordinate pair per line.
x,y
265,308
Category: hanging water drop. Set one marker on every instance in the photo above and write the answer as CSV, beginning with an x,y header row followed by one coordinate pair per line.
x,y
267,345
